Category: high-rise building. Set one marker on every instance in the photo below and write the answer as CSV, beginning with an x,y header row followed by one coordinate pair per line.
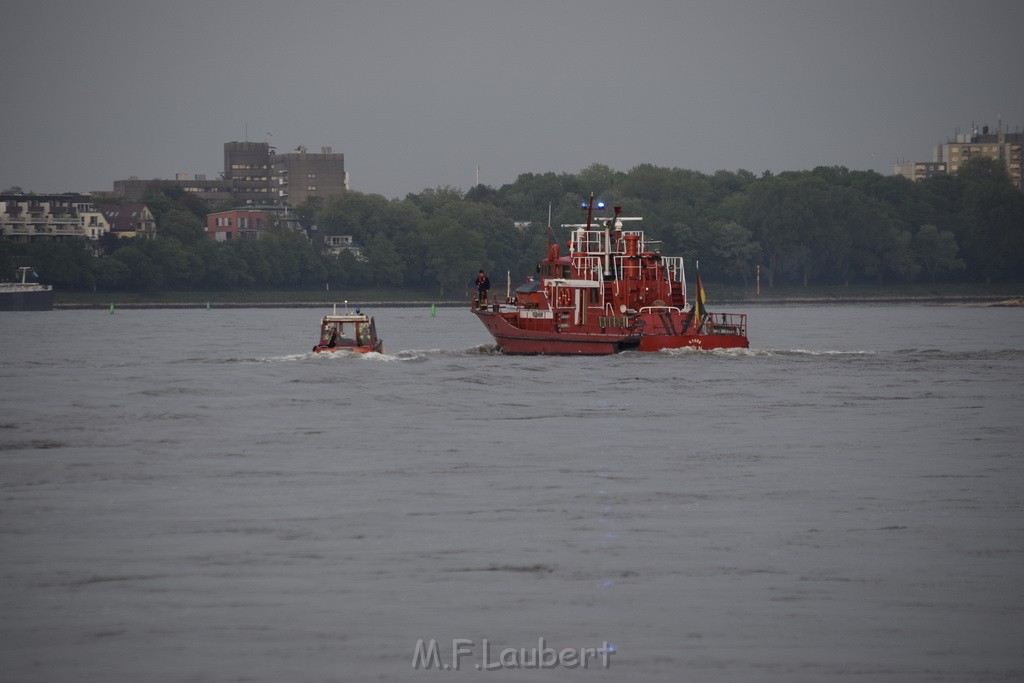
x,y
254,174
247,170
300,174
951,155
995,145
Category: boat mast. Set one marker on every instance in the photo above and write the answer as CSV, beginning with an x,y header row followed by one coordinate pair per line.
x,y
590,211
549,224
608,226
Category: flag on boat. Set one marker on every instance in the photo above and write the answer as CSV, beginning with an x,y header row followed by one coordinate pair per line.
x,y
700,309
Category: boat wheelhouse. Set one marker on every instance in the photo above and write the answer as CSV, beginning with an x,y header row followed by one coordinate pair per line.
x,y
353,332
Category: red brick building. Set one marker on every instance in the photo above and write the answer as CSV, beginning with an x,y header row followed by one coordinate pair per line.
x,y
230,225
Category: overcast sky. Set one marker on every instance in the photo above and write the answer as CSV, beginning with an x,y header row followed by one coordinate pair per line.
x,y
419,93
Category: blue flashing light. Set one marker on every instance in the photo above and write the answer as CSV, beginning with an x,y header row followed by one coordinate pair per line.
x,y
600,205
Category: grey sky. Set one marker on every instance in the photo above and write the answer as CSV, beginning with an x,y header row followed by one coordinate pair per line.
x,y
417,93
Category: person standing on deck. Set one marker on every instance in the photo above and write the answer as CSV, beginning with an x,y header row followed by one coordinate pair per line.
x,y
483,284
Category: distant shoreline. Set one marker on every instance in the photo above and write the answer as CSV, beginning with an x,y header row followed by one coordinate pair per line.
x,y
957,300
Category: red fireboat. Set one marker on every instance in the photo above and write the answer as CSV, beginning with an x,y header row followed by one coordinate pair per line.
x,y
610,293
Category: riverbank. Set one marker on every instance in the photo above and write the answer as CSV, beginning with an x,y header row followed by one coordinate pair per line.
x,y
1011,294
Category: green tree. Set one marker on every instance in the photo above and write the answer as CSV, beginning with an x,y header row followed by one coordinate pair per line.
x,y
991,221
353,213
223,266
453,253
308,210
346,270
430,201
772,210
936,250
182,226
65,264
500,238
734,250
599,178
7,261
173,260
163,198
383,262
143,273
111,274
529,197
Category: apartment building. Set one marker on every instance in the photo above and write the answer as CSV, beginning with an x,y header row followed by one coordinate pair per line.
x,y
994,145
919,170
948,157
49,217
231,225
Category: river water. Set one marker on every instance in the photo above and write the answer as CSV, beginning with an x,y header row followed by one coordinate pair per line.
x,y
190,495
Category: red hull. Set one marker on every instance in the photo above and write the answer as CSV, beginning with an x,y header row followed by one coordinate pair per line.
x,y
518,341
349,349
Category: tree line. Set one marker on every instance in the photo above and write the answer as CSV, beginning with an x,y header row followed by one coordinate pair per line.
x,y
826,226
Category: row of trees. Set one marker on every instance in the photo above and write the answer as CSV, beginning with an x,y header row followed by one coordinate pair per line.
x,y
825,226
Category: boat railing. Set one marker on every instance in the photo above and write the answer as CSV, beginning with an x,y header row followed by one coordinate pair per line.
x,y
582,240
652,309
726,324
589,267
674,268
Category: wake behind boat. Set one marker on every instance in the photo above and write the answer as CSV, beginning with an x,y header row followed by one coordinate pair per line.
x,y
353,332
610,293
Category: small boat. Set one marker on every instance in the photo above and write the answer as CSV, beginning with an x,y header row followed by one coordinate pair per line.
x,y
353,332
611,292
25,295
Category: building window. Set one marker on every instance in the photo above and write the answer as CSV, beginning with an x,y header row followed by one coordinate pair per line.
x,y
311,176
311,188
